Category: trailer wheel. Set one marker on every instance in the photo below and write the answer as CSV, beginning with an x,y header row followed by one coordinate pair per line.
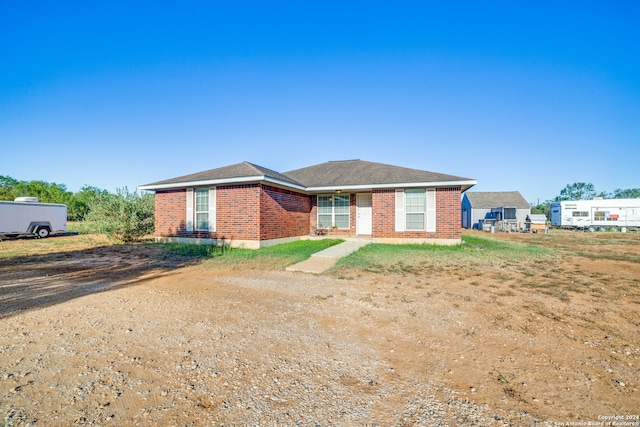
x,y
592,229
43,232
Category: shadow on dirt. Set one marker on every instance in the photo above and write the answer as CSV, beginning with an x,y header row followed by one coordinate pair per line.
x,y
33,282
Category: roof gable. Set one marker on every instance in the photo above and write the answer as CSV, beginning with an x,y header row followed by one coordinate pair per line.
x,y
495,199
239,170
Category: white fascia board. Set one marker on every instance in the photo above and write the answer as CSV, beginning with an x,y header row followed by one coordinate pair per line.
x,y
285,184
468,183
225,181
202,183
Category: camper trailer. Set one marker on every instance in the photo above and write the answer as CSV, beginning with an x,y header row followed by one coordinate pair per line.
x,y
25,215
596,214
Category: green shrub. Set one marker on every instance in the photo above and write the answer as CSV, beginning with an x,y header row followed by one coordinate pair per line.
x,y
124,217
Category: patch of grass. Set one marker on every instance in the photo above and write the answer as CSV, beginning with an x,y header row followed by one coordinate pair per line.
x,y
30,246
552,288
272,258
503,277
613,256
192,250
475,253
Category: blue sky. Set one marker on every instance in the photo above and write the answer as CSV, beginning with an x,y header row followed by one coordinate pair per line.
x,y
527,96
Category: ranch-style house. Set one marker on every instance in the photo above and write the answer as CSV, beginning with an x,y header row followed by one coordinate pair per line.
x,y
246,205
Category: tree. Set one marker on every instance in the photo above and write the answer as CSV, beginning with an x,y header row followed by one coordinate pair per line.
x,y
79,204
124,217
45,192
577,191
542,208
630,193
6,187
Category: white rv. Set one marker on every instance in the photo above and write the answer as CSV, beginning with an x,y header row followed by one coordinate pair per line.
x,y
597,214
26,216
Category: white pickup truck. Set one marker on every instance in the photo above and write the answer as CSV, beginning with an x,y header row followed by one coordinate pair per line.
x,y
25,215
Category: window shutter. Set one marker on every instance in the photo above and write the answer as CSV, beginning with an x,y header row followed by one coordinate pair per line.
x,y
400,218
430,214
212,209
189,219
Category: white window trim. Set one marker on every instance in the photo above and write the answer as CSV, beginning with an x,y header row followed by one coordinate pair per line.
x,y
196,211
429,214
400,216
190,214
333,211
213,209
430,211
191,211
424,213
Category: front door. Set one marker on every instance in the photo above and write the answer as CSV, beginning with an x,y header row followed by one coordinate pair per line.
x,y
364,214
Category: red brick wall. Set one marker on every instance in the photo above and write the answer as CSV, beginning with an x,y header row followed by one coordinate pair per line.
x,y
238,216
284,213
447,215
261,212
244,212
313,214
383,203
170,212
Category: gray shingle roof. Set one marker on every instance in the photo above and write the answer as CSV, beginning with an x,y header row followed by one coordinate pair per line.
x,y
361,172
496,199
325,175
239,170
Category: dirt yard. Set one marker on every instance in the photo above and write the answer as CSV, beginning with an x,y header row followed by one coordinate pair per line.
x,y
93,334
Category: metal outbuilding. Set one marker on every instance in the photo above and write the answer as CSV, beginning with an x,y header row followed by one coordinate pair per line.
x,y
509,204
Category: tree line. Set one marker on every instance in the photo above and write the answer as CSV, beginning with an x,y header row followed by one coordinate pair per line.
x,y
583,191
123,216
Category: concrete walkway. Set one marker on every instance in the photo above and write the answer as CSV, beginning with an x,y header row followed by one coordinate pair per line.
x,y
325,259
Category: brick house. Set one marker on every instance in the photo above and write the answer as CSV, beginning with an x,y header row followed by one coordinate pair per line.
x,y
246,205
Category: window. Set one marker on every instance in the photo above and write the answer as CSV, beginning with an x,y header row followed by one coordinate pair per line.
x,y
333,211
202,208
416,209
599,215
510,214
605,216
415,203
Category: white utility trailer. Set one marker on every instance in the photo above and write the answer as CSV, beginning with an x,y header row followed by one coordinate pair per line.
x,y
25,215
597,214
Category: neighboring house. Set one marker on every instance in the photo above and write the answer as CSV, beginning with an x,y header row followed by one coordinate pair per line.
x,y
509,204
246,205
